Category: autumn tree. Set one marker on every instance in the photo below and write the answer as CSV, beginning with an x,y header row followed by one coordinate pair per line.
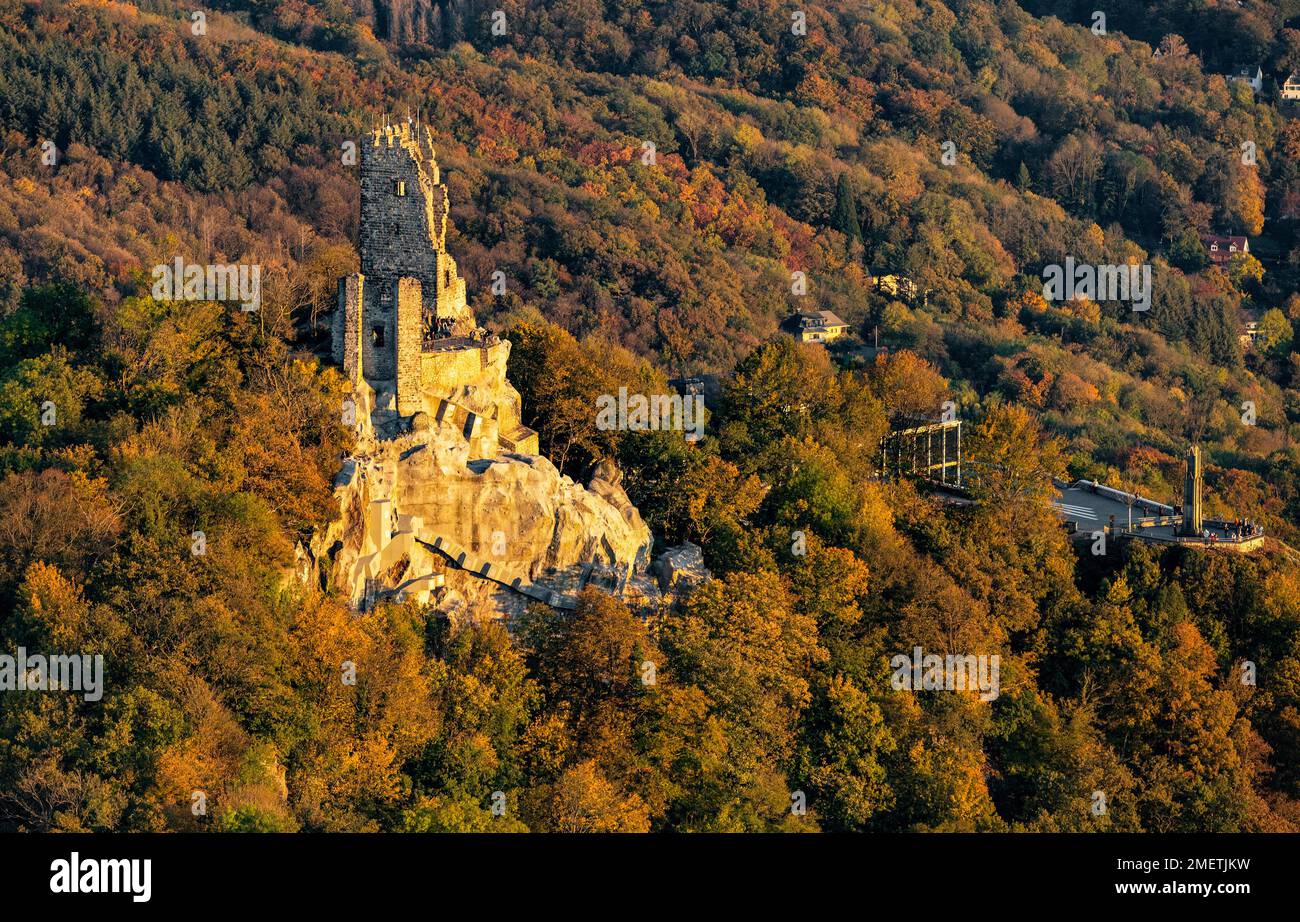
x,y
1012,460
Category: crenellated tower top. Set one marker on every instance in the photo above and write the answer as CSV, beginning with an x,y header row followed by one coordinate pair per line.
x,y
402,196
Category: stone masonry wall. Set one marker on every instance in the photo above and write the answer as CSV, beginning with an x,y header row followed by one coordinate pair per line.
x,y
408,330
450,300
440,437
347,326
378,329
404,211
400,235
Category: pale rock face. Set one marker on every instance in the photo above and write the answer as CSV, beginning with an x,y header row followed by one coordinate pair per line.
x,y
517,511
514,514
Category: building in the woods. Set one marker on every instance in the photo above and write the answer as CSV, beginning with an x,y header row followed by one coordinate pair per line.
x,y
1222,247
445,499
1249,331
928,450
403,328
817,326
1291,88
897,286
1250,74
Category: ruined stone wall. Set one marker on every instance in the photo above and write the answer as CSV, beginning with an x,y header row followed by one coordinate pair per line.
x,y
483,365
402,229
390,312
440,439
450,300
474,378
347,326
404,211
408,330
379,329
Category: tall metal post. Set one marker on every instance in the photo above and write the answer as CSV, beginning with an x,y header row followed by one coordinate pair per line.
x,y
959,480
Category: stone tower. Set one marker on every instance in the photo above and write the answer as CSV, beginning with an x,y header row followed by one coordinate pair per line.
x,y
408,292
403,332
1192,494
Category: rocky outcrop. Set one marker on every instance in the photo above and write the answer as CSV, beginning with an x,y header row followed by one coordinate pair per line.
x,y
420,517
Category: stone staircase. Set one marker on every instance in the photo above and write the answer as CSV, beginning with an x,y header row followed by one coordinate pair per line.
x,y
484,569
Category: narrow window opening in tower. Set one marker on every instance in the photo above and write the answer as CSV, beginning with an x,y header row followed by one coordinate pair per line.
x,y
401,187
397,229
377,336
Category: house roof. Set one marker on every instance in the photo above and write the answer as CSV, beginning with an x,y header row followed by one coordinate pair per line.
x,y
1225,240
823,318
1249,71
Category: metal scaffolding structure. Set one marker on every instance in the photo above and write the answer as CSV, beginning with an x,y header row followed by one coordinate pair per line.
x,y
931,452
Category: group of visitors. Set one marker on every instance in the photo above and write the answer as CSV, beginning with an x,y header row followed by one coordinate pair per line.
x,y
1237,530
1244,528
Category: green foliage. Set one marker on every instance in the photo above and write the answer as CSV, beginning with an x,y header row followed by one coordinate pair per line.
x,y
845,219
43,399
1275,333
59,314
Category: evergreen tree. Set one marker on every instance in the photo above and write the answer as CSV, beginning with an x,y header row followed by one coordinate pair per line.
x,y
845,219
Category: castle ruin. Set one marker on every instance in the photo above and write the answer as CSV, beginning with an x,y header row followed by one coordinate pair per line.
x,y
403,331
446,499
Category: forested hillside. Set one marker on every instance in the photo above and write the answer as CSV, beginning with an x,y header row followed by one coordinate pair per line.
x,y
649,178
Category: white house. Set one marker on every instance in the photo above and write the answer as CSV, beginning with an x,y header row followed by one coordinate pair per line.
x,y
1250,74
1291,89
